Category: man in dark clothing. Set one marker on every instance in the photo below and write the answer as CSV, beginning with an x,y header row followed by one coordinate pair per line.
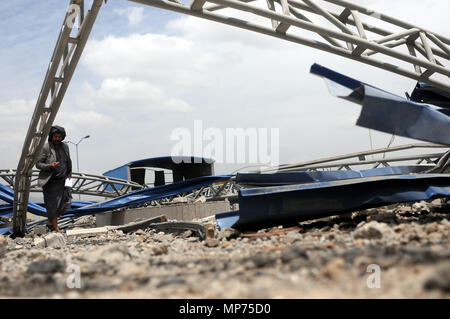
x,y
55,167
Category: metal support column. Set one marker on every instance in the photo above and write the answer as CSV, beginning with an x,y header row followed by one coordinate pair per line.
x,y
62,66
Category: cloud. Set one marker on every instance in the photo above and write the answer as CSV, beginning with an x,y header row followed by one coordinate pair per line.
x,y
134,14
162,59
128,94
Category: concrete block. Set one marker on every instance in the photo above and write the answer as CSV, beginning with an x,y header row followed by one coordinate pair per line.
x,y
87,232
180,212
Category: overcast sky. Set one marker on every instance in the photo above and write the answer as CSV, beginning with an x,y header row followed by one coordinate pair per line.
x,y
147,71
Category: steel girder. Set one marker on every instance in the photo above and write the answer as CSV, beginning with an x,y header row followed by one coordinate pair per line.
x,y
343,29
339,163
85,184
64,60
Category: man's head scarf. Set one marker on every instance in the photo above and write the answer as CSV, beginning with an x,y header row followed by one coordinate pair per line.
x,y
57,129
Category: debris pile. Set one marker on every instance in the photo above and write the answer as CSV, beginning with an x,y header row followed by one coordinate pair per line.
x,y
333,257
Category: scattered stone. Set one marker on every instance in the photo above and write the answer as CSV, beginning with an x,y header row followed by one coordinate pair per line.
x,y
47,266
3,246
439,278
209,231
139,232
211,242
380,215
375,230
85,221
262,260
421,207
228,233
171,281
55,240
186,234
40,230
160,250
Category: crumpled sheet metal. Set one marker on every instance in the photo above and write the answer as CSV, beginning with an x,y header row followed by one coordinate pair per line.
x,y
387,112
301,177
131,199
272,206
425,93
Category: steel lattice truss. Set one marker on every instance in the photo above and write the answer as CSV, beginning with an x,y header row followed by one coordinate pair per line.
x,y
334,26
348,162
342,30
85,184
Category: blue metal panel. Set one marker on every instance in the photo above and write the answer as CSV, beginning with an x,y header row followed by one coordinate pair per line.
x,y
269,206
425,93
122,172
389,113
285,178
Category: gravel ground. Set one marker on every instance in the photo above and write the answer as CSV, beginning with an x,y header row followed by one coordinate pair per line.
x,y
399,251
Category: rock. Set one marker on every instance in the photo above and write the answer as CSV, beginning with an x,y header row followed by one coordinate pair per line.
x,y
47,266
439,278
421,207
228,233
262,260
85,221
40,230
139,232
201,199
375,230
55,240
186,234
211,242
160,250
3,246
294,253
334,269
171,281
209,231
380,215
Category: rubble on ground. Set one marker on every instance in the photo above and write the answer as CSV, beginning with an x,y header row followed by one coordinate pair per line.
x,y
324,258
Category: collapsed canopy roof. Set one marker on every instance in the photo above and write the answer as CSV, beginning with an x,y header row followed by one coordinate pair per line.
x,y
182,167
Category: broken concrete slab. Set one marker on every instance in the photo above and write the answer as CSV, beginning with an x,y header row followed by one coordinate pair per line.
x,y
141,224
51,240
86,232
181,212
210,231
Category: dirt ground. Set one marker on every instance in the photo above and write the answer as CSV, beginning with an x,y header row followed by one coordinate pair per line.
x,y
399,251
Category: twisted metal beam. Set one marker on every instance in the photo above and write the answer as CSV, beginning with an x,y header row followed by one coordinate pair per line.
x,y
344,31
85,184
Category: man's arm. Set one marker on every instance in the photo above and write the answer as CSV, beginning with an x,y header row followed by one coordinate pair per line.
x,y
41,162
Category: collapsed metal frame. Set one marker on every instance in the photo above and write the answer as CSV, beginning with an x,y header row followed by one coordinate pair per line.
x,y
82,183
347,36
227,189
338,163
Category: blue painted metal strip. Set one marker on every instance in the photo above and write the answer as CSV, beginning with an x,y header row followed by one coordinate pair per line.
x,y
389,113
285,178
269,206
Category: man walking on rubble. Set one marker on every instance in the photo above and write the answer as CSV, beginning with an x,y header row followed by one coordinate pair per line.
x,y
55,167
